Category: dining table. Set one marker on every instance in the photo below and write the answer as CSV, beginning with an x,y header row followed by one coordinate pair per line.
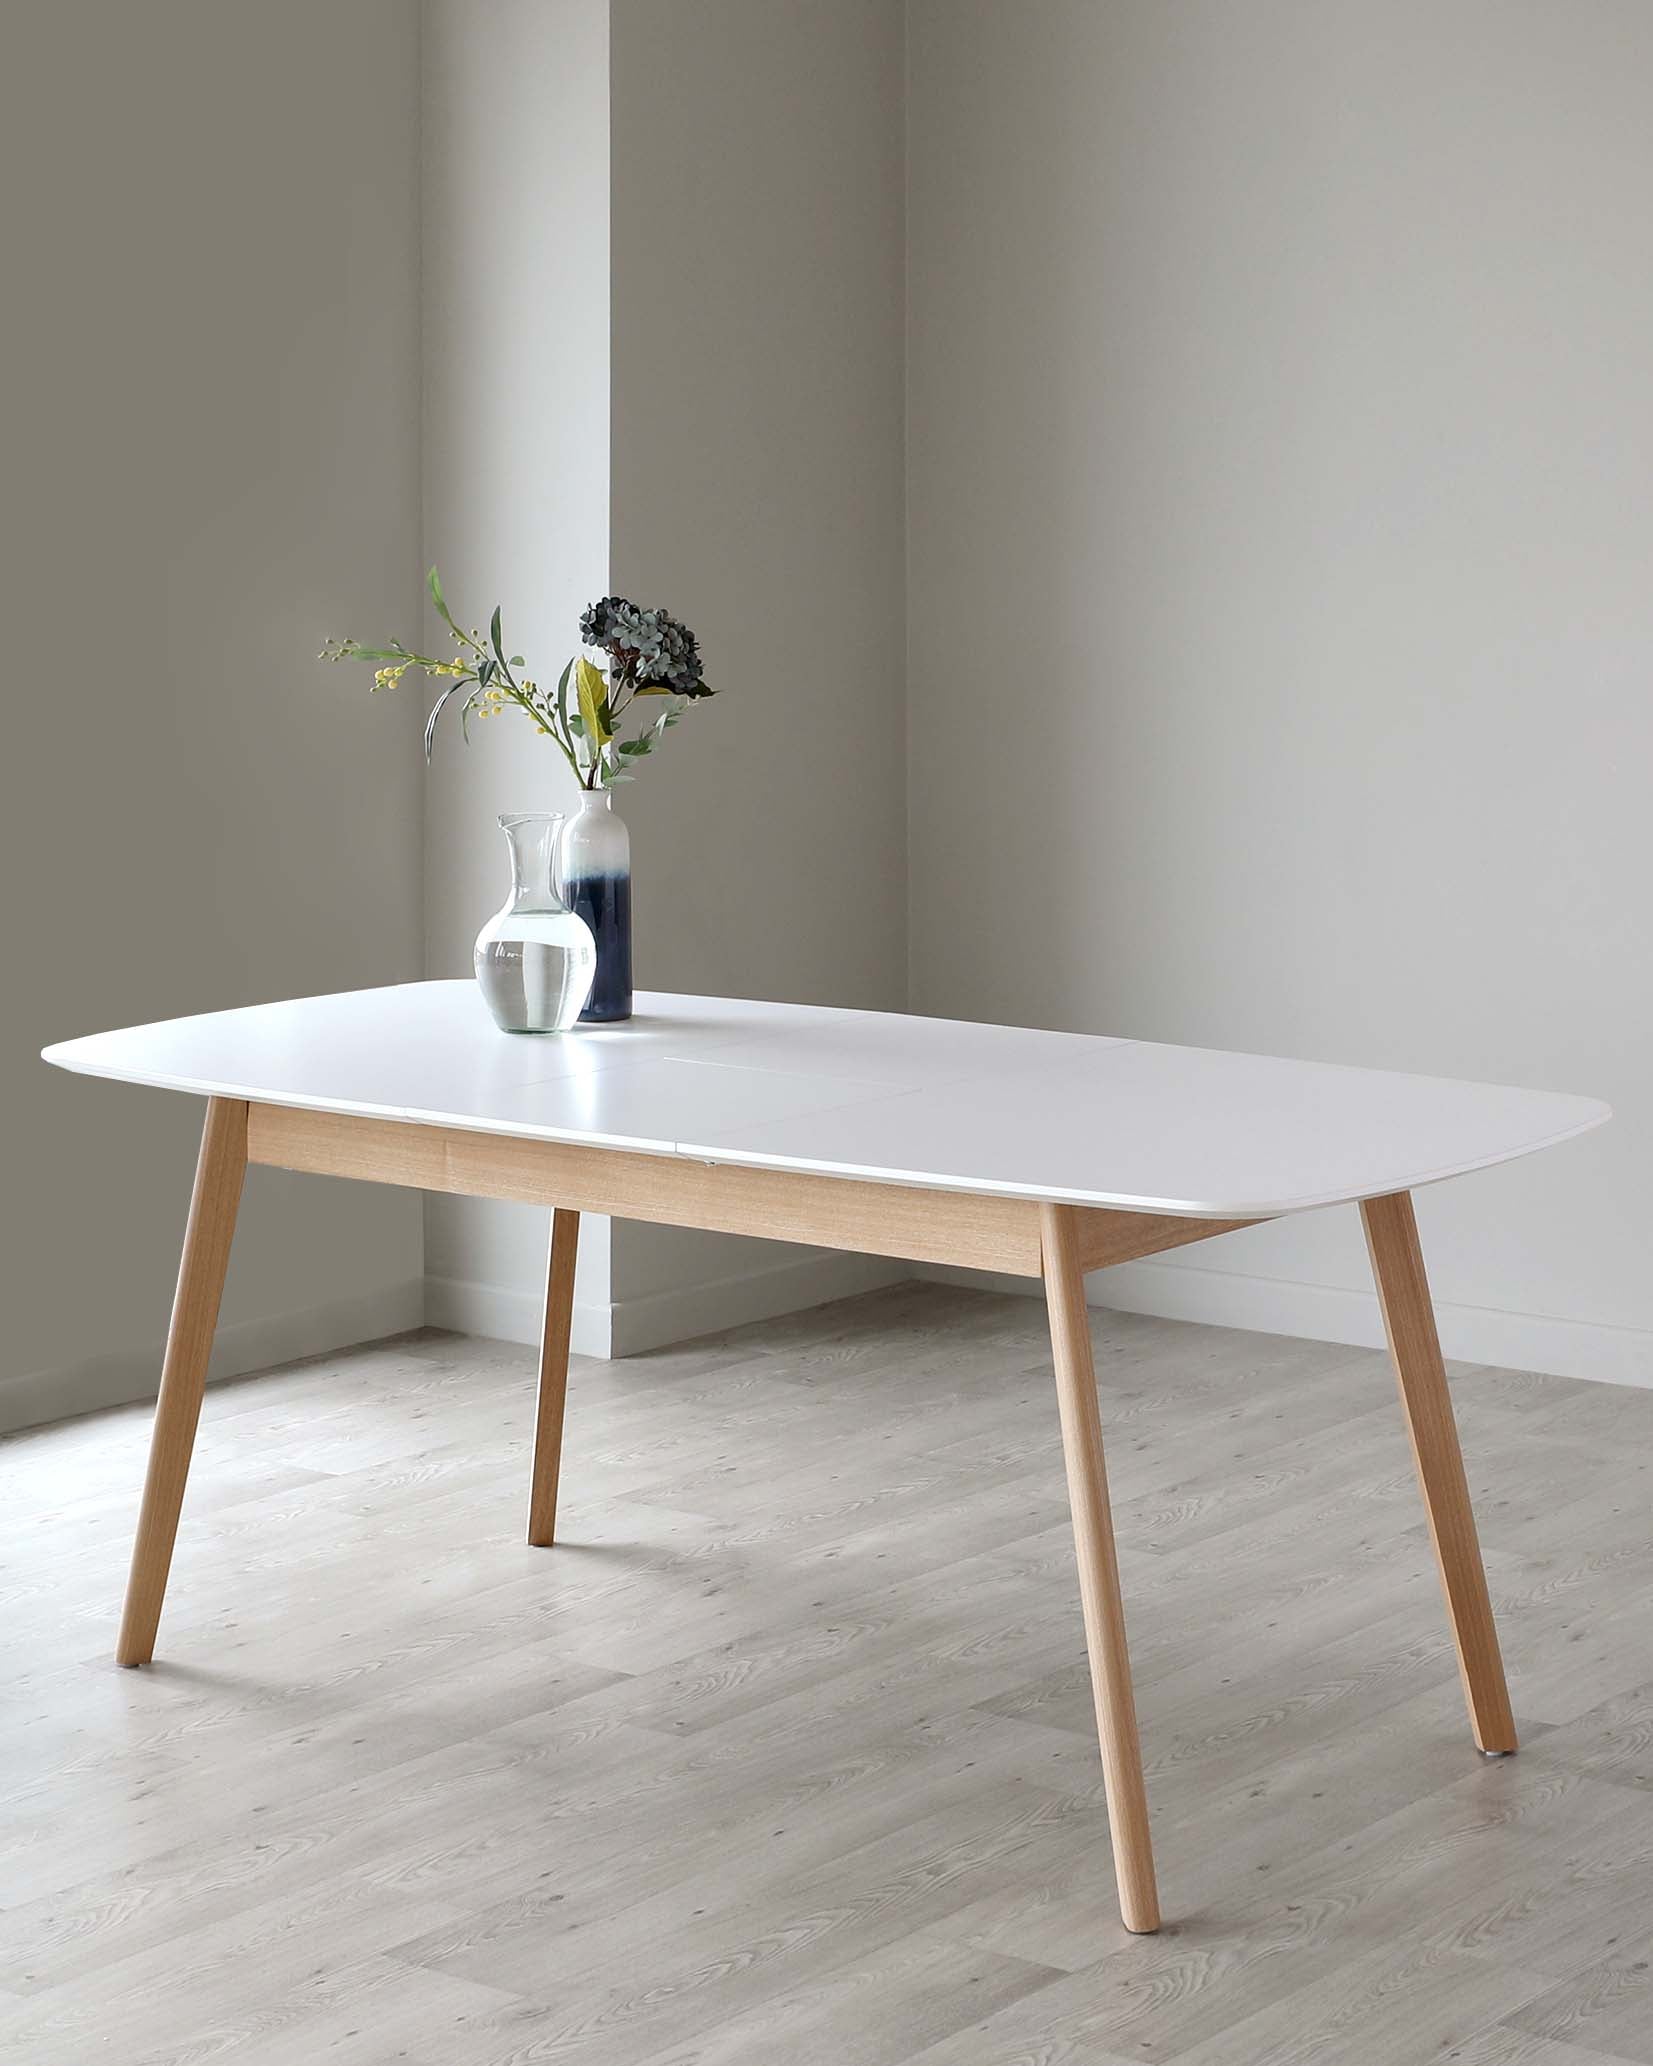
x,y
1034,1154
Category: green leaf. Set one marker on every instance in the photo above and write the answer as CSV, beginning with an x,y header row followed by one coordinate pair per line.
x,y
452,689
593,693
493,634
660,688
433,581
516,658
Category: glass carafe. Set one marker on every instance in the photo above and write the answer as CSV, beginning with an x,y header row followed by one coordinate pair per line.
x,y
535,959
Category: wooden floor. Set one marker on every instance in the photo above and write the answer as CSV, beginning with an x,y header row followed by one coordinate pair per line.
x,y
785,1756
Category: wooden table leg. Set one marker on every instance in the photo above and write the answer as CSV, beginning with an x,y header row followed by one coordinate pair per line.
x,y
1409,1320
559,1314
212,1209
1098,1570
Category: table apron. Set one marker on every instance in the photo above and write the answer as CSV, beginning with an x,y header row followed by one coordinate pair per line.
x,y
963,1228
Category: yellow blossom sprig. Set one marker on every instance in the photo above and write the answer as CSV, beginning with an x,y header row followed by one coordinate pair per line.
x,y
479,672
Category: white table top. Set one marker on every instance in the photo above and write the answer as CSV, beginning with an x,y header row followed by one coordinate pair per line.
x,y
938,1103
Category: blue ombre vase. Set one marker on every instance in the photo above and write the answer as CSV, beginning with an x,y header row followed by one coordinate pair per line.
x,y
595,857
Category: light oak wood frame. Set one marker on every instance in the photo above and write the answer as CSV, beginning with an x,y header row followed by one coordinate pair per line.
x,y
972,1230
1019,1236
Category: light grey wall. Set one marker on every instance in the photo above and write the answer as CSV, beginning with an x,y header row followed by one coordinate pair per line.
x,y
1277,526
1280,526
210,439
515,499
758,491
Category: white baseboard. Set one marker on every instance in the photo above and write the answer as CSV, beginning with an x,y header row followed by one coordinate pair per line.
x,y
785,1287
631,1326
1220,1298
1319,1312
498,1312
129,1374
487,1309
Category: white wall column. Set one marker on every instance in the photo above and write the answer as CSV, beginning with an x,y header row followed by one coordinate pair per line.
x,y
515,301
728,333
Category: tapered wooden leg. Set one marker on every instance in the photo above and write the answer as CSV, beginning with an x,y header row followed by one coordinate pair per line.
x,y
559,1313
1070,1341
1409,1320
212,1209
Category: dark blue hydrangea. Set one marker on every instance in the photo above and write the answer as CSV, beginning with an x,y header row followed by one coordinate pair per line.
x,y
648,647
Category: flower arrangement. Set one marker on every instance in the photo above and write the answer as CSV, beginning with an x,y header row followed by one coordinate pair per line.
x,y
649,653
